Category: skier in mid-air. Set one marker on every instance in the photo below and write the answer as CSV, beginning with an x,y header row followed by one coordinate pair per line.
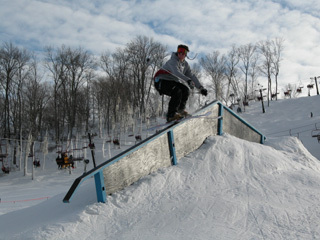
x,y
175,79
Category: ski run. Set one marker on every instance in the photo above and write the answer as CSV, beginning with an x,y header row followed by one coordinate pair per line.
x,y
227,189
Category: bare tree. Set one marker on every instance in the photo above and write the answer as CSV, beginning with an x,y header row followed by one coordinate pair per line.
x,y
54,63
68,68
246,53
78,63
277,48
142,53
155,61
79,98
232,72
214,65
102,92
266,67
17,107
117,88
11,60
88,107
254,73
36,98
17,100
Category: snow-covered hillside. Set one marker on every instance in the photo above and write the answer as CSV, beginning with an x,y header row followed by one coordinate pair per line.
x,y
289,117
227,189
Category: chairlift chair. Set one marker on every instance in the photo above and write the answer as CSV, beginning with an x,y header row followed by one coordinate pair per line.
x,y
3,168
299,89
3,155
316,134
78,154
310,85
287,93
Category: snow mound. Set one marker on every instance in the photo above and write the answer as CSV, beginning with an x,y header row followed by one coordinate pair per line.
x,y
228,189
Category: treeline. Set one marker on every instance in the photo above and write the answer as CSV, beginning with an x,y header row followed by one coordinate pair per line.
x,y
233,75
70,90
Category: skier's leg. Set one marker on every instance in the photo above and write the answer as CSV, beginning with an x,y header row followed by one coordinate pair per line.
x,y
171,89
174,102
184,98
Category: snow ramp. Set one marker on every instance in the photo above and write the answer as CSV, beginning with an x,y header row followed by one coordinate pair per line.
x,y
165,148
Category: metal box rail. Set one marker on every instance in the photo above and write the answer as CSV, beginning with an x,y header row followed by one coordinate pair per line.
x,y
164,149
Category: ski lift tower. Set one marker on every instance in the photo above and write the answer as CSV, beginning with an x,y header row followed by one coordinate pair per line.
x,y
261,96
315,80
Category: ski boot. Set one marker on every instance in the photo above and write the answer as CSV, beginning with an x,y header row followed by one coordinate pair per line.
x,y
175,117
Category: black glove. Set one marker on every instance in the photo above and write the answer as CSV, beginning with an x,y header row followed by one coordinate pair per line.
x,y
204,91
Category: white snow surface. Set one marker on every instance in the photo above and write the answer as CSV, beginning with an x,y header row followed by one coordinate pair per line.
x,y
227,189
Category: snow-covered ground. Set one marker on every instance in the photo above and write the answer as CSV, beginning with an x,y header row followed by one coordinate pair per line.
x,y
291,117
227,189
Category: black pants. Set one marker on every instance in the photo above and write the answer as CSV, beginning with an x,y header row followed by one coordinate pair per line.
x,y
179,94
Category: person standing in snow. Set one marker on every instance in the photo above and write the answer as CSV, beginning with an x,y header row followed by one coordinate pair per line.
x,y
175,79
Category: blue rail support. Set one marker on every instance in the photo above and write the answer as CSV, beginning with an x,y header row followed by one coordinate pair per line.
x,y
100,188
172,148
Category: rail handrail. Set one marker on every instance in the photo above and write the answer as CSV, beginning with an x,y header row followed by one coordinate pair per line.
x,y
97,171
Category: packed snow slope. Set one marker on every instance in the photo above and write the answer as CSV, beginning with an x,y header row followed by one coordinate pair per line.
x,y
227,189
288,117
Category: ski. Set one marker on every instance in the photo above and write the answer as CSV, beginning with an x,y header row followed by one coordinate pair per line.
x,y
167,124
